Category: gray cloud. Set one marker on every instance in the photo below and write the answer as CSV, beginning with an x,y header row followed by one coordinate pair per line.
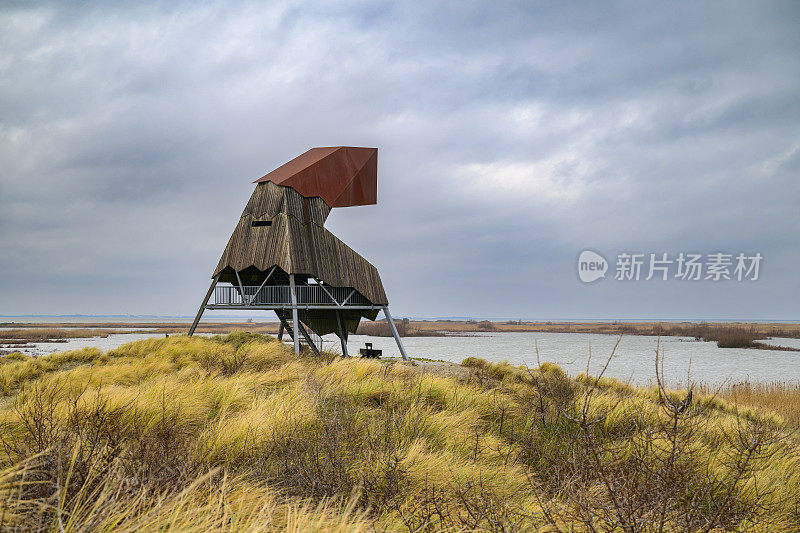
x,y
511,136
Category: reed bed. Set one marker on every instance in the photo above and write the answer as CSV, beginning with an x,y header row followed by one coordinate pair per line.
x,y
381,328
699,330
49,334
236,433
778,397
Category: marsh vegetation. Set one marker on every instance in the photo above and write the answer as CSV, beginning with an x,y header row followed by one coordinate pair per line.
x,y
26,335
405,328
234,433
710,331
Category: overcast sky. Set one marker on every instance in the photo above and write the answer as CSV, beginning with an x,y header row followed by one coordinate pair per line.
x,y
511,137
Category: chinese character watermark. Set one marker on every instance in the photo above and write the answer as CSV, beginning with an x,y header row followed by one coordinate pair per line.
x,y
684,266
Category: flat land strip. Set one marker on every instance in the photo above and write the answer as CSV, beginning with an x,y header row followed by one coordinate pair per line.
x,y
426,328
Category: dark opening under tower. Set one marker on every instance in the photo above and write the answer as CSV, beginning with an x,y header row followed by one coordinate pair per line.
x,y
280,257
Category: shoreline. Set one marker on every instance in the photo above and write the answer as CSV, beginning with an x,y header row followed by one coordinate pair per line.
x,y
19,333
786,329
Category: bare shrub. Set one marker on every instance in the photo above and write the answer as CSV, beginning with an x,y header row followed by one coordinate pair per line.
x,y
656,477
70,442
337,454
472,506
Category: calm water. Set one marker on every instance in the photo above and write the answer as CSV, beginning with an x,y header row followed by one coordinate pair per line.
x,y
634,359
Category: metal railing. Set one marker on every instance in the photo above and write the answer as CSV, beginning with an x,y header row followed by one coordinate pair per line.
x,y
307,295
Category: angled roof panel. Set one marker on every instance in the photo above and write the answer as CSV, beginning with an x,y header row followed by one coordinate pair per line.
x,y
342,176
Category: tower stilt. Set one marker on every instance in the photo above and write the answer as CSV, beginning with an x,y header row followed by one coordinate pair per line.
x,y
295,321
307,338
388,316
203,305
342,332
286,327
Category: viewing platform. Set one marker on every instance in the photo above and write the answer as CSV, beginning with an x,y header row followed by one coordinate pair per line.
x,y
280,297
293,264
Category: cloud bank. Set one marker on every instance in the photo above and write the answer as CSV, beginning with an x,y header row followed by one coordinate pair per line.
x,y
511,137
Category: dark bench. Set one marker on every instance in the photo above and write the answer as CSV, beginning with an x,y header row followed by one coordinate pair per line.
x,y
368,352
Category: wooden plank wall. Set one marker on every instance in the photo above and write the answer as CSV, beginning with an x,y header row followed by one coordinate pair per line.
x,y
269,199
296,247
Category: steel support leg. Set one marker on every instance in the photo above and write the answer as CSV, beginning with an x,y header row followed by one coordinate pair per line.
x,y
203,305
394,331
307,337
342,332
285,325
280,331
295,321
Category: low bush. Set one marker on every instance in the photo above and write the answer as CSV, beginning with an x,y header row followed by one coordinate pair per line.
x,y
404,327
381,328
735,338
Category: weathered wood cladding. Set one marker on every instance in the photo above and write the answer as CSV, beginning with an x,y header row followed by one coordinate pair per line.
x,y
269,199
297,247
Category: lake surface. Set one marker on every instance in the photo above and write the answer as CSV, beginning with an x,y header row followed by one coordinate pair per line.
x,y
634,359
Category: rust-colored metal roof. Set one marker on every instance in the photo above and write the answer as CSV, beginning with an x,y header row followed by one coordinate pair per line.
x,y
342,176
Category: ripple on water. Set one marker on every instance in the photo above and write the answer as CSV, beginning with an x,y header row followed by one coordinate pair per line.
x,y
634,359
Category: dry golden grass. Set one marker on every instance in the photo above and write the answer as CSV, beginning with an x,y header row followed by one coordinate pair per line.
x,y
150,327
779,397
236,433
206,503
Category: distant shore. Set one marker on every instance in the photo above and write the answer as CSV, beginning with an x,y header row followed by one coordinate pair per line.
x,y
727,334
